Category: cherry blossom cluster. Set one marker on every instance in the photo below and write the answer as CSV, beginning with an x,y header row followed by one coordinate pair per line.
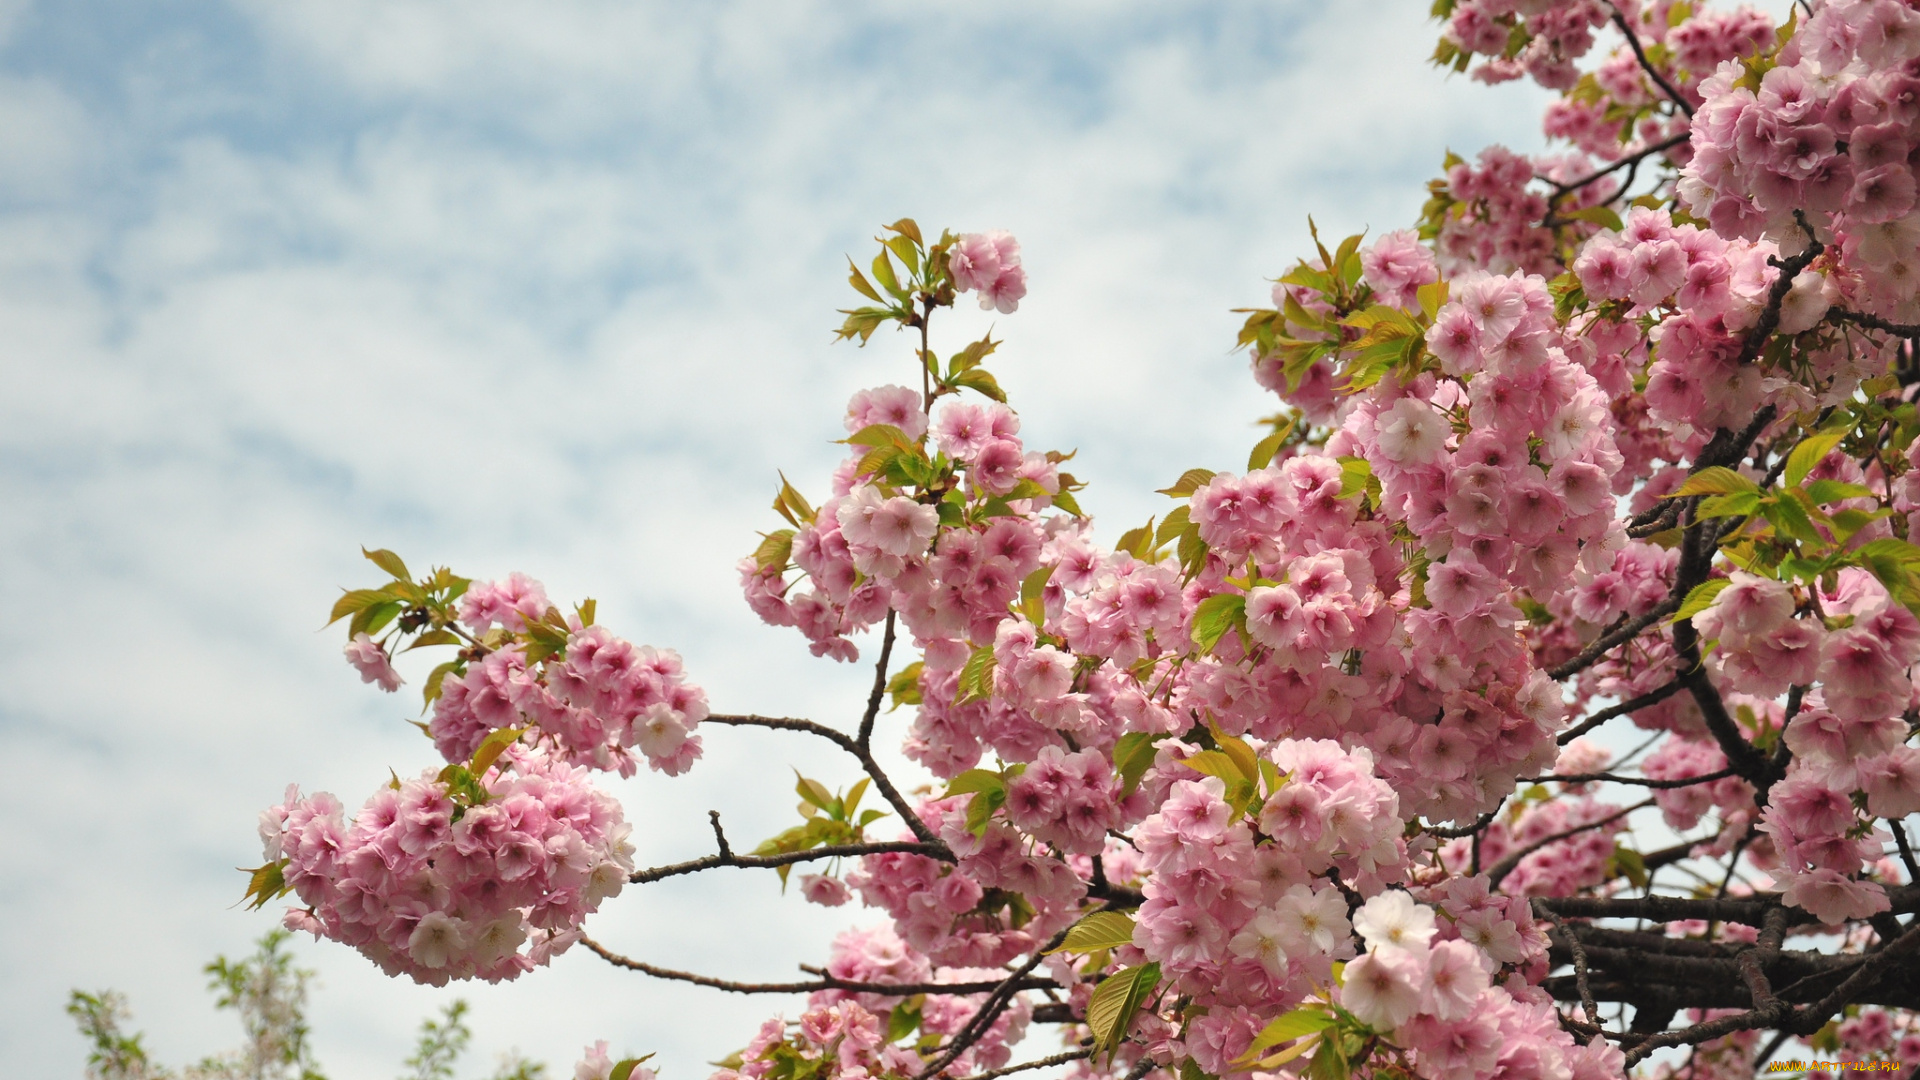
x,y
602,700
1825,137
852,1033
434,883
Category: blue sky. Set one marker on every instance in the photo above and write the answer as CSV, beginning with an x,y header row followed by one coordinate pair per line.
x,y
550,287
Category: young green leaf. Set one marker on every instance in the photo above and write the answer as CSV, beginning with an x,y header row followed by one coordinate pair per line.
x,y
492,747
1111,1009
1715,480
1190,481
1100,930
388,561
1809,453
1133,755
1215,616
1700,598
1287,1027
624,1070
1264,450
976,677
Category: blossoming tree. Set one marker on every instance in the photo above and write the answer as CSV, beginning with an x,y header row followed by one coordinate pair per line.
x,y
1314,773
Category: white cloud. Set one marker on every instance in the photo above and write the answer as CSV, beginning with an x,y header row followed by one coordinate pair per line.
x,y
550,287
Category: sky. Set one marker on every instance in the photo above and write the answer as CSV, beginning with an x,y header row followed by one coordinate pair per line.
x,y
550,288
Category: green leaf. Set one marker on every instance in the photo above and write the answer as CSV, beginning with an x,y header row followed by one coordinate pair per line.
x,y
1111,1009
1033,595
438,677
970,357
978,379
1356,477
981,807
1738,504
1100,930
1602,216
1133,755
905,685
879,435
904,1020
814,792
265,884
1330,1063
976,678
1136,542
883,273
373,619
1193,551
775,549
906,251
1237,751
790,504
1809,453
908,228
1791,519
1215,616
860,283
1065,501
1287,1027
1178,520
1715,480
353,601
431,638
1220,764
492,747
1190,481
1433,297
1264,450
1700,598
624,1070
974,780
388,561
1833,491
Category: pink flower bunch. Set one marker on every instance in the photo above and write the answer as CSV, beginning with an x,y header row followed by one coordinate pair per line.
x,y
989,263
1437,999
1396,265
597,1064
1830,132
1494,226
1241,918
1558,32
1811,822
507,604
594,704
847,1030
437,889
1559,868
1679,758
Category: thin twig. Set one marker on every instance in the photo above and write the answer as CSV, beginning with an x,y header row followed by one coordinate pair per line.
x,y
879,686
1651,697
1646,65
1506,866
1042,1063
825,982
881,782
1588,778
788,858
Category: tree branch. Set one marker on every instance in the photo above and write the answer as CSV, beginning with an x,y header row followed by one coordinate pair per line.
x,y
872,768
879,686
1042,1063
830,851
1506,866
1651,697
1646,65
825,982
